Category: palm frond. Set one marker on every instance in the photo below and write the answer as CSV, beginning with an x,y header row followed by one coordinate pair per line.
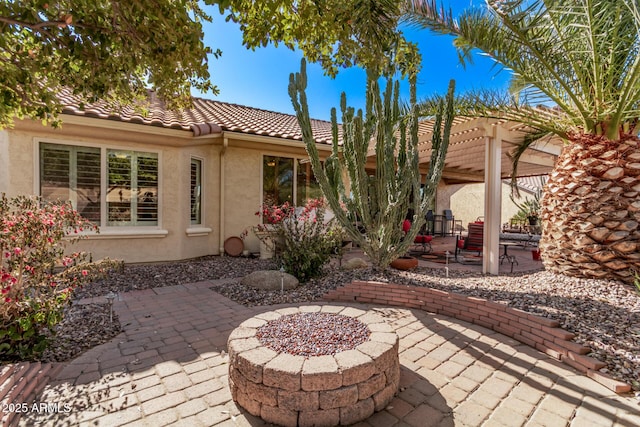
x,y
582,56
503,106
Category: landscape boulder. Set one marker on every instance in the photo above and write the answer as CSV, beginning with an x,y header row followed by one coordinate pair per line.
x,y
270,280
354,264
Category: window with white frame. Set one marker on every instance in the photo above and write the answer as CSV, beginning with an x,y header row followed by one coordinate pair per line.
x,y
132,188
286,179
130,183
196,191
71,173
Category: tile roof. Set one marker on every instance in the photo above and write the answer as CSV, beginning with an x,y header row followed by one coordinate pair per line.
x,y
203,118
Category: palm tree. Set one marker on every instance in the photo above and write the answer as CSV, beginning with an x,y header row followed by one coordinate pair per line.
x,y
578,63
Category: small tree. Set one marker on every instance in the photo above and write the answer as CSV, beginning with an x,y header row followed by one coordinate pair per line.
x,y
378,201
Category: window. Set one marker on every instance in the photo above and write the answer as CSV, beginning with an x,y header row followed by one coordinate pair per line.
x,y
277,180
307,186
70,173
196,191
130,183
132,195
283,178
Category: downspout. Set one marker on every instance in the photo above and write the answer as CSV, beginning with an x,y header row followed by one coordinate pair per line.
x,y
225,144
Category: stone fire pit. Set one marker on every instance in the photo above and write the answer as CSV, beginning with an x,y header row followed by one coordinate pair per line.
x,y
313,365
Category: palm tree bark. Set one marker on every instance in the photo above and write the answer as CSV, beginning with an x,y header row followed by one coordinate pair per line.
x,y
591,210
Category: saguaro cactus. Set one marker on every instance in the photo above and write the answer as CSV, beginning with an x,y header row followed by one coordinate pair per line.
x,y
379,201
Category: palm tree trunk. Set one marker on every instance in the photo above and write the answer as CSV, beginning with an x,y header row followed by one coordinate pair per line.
x,y
591,209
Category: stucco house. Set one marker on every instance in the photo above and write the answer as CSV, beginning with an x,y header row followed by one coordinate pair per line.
x,y
175,185
163,186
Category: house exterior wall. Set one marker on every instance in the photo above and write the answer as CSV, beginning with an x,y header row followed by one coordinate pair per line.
x,y
243,162
169,240
243,178
467,202
228,210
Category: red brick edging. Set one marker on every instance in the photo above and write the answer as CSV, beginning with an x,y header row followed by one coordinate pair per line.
x,y
538,332
20,384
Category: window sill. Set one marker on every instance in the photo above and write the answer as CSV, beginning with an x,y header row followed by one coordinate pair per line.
x,y
198,231
128,234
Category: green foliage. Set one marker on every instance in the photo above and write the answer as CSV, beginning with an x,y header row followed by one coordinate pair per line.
x,y
529,207
334,33
307,245
580,56
37,278
111,51
115,51
302,239
380,201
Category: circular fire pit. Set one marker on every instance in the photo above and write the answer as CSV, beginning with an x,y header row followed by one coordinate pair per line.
x,y
313,365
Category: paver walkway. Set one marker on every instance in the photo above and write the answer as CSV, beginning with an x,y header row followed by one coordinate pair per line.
x,y
169,367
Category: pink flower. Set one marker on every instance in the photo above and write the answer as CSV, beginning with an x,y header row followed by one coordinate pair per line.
x,y
85,272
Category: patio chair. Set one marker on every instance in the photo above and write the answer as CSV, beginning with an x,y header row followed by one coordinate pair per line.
x,y
472,242
422,243
450,223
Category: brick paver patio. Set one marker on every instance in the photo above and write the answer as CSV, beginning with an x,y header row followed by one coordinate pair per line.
x,y
170,367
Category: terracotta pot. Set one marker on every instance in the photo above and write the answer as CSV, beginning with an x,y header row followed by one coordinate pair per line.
x,y
404,263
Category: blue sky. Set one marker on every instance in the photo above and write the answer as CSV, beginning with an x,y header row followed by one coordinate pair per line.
x,y
259,78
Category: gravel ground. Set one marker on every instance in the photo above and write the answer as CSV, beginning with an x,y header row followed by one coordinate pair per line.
x,y
313,334
604,315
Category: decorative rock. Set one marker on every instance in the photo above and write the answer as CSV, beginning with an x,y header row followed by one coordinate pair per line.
x,y
354,264
270,280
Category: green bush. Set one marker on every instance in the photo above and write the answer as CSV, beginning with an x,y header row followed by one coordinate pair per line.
x,y
303,241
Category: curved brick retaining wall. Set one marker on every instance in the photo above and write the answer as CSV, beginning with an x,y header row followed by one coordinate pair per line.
x,y
291,390
538,332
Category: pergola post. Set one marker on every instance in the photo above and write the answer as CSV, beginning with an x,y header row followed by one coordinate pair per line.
x,y
492,201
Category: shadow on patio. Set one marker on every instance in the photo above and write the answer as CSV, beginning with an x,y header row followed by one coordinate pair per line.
x,y
170,366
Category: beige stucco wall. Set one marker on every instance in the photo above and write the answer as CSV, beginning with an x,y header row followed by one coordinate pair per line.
x,y
168,240
243,185
175,238
467,202
243,178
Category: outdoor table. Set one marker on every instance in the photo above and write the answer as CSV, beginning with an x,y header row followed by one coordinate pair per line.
x,y
505,254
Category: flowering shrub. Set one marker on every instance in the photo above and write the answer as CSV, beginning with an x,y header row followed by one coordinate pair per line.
x,y
301,238
275,214
36,277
